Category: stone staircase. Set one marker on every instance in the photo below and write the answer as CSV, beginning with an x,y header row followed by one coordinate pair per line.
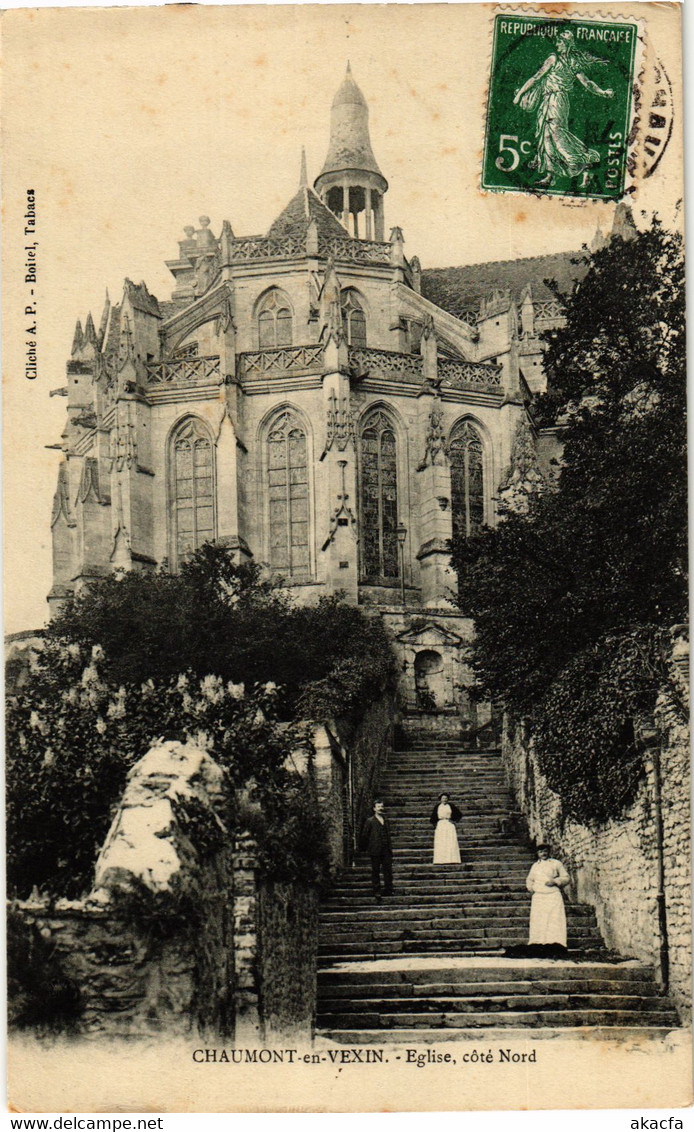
x,y
431,957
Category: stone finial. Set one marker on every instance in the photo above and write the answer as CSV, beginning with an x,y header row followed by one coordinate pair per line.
x,y
189,231
303,175
225,241
90,331
78,339
397,241
312,237
524,476
330,312
204,236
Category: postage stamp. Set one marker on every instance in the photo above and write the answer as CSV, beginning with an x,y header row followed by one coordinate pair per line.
x,y
559,107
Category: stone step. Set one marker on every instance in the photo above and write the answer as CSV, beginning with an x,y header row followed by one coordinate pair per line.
x,y
506,908
425,1036
474,941
407,992
499,969
435,903
381,915
413,950
450,932
532,1018
493,1003
422,873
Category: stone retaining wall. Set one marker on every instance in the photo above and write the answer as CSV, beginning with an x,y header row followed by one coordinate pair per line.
x,y
614,867
178,936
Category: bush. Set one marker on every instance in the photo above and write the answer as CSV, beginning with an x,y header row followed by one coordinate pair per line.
x,y
72,736
217,617
573,599
217,655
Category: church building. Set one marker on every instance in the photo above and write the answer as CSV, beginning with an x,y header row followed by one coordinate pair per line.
x,y
314,401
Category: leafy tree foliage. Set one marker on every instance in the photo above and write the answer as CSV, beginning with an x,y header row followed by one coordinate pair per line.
x,y
220,618
216,654
571,599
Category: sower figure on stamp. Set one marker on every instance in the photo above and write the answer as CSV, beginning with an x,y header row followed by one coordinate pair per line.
x,y
546,93
377,843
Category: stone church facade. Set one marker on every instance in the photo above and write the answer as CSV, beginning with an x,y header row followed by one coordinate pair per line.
x,y
314,401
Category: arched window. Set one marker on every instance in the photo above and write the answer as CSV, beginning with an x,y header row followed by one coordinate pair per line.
x,y
287,466
192,489
467,481
353,318
274,321
379,498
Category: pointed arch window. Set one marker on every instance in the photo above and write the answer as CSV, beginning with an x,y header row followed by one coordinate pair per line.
x,y
353,318
467,481
192,488
379,498
287,465
274,321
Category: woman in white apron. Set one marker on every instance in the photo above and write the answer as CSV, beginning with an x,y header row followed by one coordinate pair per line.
x,y
443,815
545,880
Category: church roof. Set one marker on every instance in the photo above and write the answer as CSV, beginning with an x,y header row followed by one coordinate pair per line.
x,y
304,207
461,288
350,144
141,299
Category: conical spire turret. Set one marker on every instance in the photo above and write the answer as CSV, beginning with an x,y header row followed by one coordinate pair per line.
x,y
351,182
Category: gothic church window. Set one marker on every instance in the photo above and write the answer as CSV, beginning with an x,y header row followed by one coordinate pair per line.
x,y
287,465
192,489
378,498
353,318
274,321
467,481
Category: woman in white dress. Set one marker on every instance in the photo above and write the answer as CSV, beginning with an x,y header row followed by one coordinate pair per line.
x,y
443,815
545,880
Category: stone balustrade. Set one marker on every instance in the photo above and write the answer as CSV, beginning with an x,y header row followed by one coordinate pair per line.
x,y
386,363
281,360
184,371
470,375
356,251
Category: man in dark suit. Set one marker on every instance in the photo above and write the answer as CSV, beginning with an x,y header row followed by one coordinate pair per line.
x,y
376,841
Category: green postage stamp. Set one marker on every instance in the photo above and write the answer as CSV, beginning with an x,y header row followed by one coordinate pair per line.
x,y
560,106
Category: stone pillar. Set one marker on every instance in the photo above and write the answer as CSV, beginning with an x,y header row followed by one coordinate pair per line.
x,y
512,408
245,927
338,531
345,206
227,484
379,226
435,521
369,216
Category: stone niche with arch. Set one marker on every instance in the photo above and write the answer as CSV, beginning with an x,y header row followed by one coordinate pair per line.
x,y
435,677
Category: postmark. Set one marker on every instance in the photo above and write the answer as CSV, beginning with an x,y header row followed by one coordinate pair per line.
x,y
560,106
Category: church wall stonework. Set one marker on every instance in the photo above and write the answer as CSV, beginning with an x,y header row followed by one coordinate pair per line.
x,y
614,866
153,363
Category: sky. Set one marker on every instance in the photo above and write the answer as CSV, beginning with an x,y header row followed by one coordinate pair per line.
x,y
131,123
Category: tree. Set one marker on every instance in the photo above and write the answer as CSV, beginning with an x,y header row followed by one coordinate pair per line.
x,y
230,621
572,600
217,654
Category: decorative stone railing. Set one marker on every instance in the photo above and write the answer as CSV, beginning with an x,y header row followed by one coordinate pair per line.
x,y
283,359
386,363
266,247
184,371
359,251
549,311
470,375
281,247
469,317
